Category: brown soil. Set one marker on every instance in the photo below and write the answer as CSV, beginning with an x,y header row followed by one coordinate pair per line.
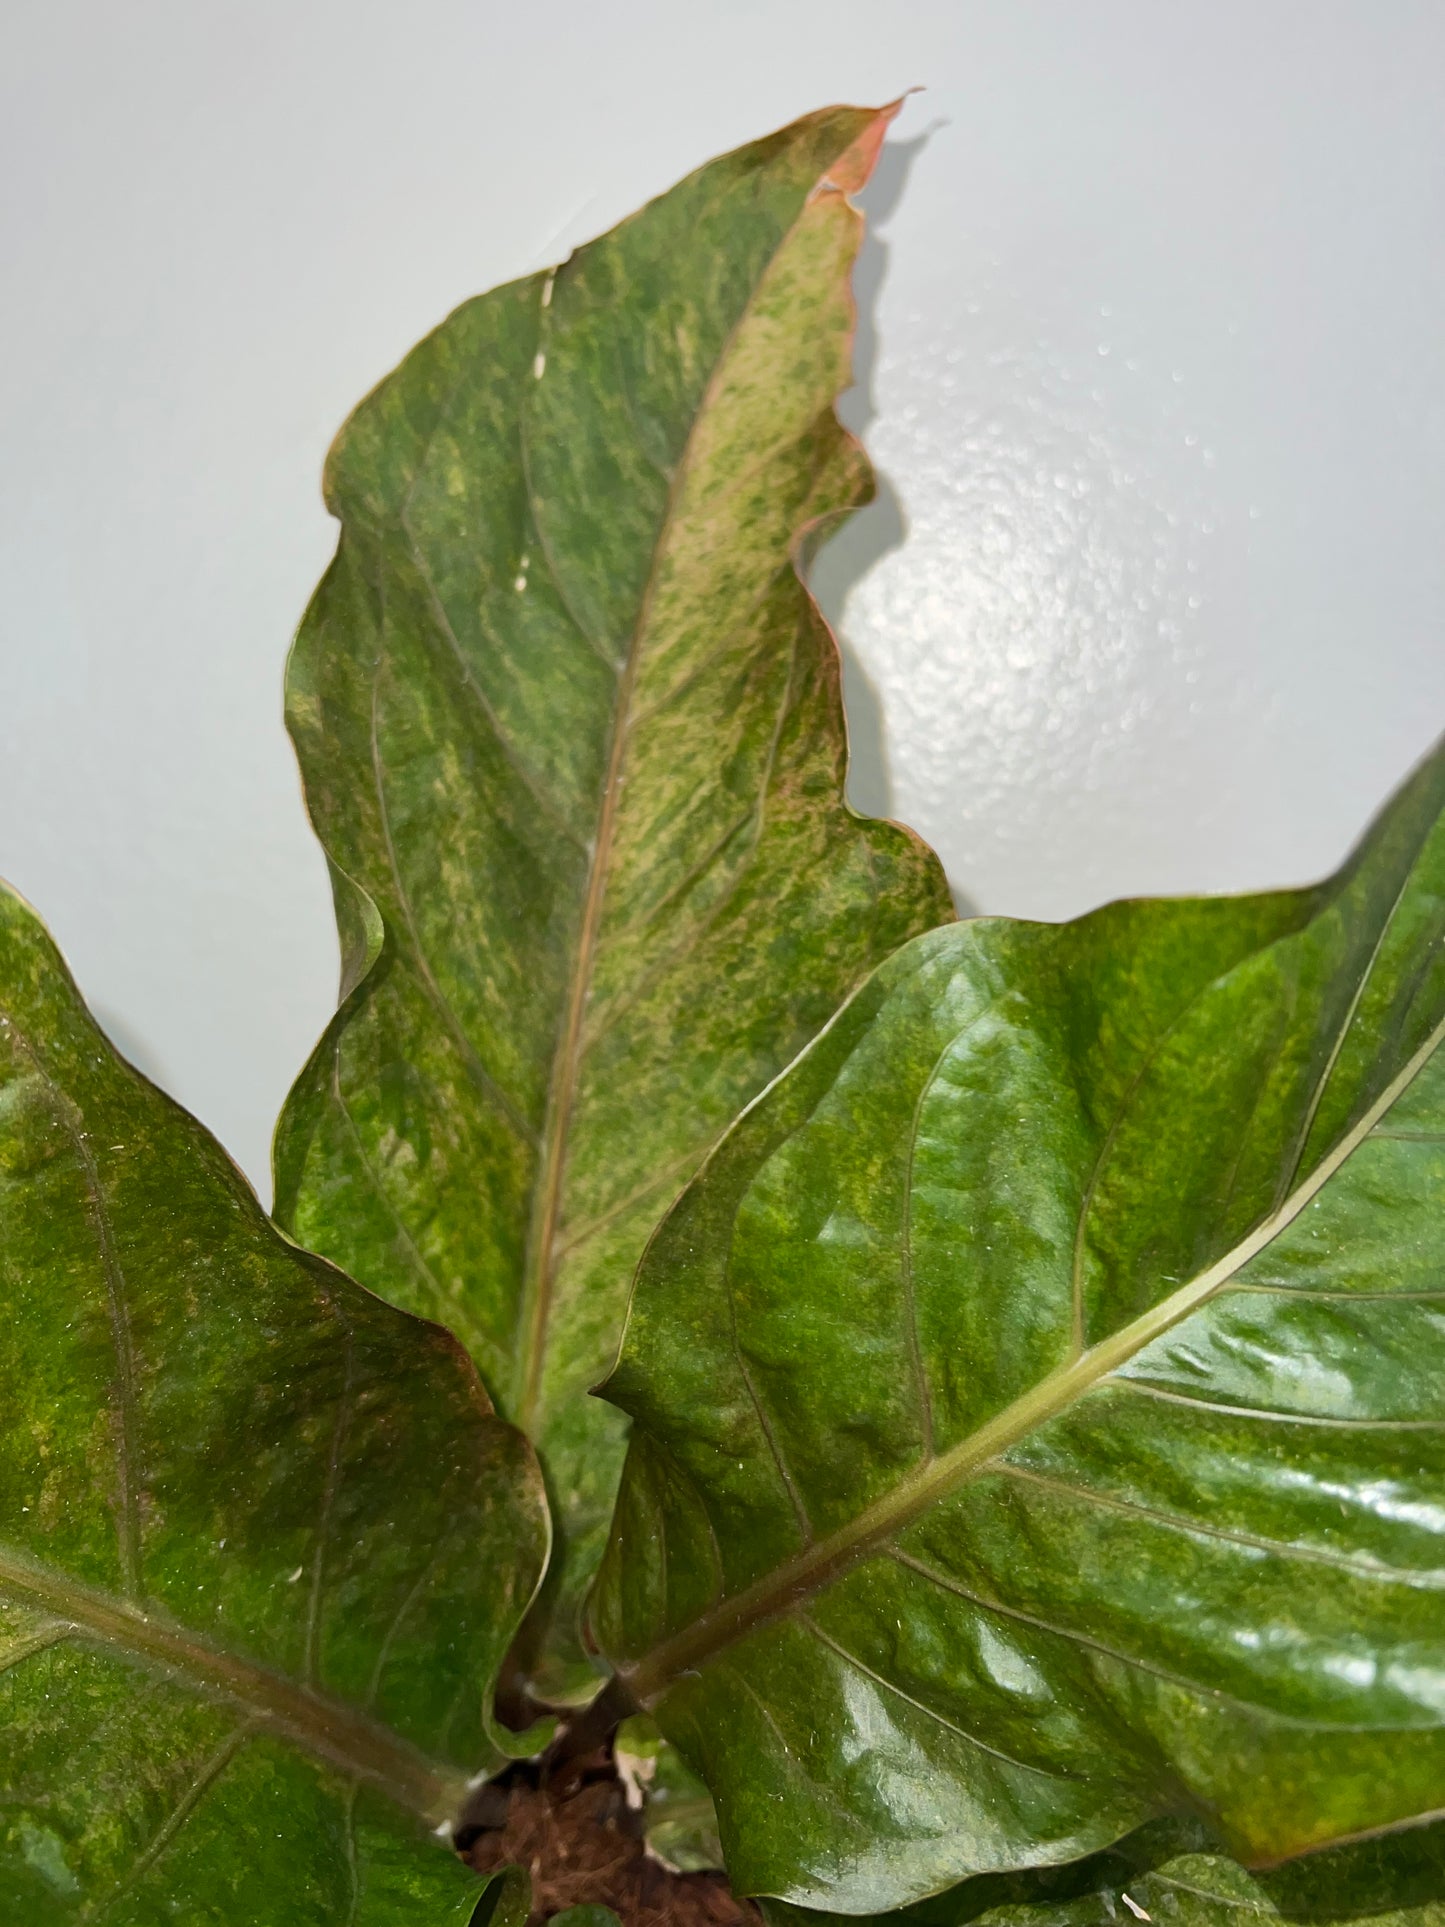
x,y
582,1845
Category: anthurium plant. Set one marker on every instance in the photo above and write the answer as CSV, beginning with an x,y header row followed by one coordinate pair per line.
x,y
943,1420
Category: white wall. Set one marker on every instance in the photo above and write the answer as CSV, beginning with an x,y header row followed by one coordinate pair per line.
x,y
1156,366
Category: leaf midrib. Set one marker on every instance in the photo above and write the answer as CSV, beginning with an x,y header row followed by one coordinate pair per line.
x,y
325,1727
540,1271
817,1565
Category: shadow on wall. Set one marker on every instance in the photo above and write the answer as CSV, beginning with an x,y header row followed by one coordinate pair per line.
x,y
132,1046
866,537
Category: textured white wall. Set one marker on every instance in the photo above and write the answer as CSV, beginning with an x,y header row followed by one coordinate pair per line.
x,y
1154,372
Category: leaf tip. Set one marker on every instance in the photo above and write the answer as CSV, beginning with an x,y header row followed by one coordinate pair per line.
x,y
854,166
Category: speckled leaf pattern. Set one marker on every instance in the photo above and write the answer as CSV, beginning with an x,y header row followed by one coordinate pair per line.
x,y
263,1543
1171,1874
571,734
1037,1398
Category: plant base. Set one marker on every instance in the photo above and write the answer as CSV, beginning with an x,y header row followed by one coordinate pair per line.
x,y
582,1845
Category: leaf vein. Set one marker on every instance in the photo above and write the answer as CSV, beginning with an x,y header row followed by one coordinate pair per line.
x,y
1134,1662
174,1825
1144,1389
1425,1581
540,1265
929,1712
1288,1177
331,1483
728,1618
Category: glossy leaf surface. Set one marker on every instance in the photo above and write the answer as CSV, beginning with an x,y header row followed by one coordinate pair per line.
x,y
571,734
1037,1398
262,1542
1170,1874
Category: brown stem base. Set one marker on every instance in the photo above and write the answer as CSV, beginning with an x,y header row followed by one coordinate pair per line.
x,y
582,1844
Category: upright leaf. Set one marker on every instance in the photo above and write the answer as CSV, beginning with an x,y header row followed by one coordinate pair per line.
x,y
262,1542
1037,1398
571,735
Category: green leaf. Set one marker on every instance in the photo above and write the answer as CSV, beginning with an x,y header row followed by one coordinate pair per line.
x,y
507,1901
679,1819
571,734
262,1542
1171,1874
1037,1398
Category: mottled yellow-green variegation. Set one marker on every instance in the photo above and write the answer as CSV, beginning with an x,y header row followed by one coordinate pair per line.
x,y
263,1543
572,737
1037,1403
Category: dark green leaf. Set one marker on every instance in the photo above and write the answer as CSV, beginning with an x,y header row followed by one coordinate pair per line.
x,y
507,1901
1171,1874
571,734
262,1542
1038,1398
